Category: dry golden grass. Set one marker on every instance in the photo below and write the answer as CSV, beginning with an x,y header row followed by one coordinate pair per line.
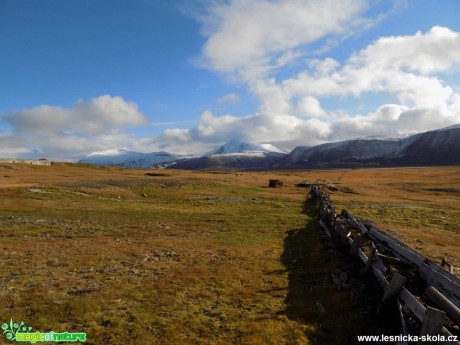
x,y
183,257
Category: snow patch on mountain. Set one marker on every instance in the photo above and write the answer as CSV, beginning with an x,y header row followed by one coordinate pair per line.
x,y
235,146
128,159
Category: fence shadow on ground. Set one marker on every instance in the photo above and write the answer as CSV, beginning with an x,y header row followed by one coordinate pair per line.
x,y
311,298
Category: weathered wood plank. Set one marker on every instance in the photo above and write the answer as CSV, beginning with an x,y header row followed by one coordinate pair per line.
x,y
419,310
380,277
433,273
432,324
444,304
414,305
396,284
403,321
357,224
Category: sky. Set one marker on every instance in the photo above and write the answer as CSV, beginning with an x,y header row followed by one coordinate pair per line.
x,y
184,76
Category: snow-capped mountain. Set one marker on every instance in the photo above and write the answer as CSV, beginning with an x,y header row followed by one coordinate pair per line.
x,y
343,153
108,157
236,155
438,147
235,146
129,159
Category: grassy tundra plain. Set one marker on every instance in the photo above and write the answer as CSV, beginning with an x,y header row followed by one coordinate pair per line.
x,y
181,257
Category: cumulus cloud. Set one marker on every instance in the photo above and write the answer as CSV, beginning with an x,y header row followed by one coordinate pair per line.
x,y
249,37
435,51
99,115
404,66
285,130
69,133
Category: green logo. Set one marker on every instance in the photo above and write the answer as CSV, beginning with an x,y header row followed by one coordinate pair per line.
x,y
13,329
22,333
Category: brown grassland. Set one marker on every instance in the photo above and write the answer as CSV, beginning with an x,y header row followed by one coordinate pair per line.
x,y
180,257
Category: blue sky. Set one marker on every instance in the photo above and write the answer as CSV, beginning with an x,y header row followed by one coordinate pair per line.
x,y
78,76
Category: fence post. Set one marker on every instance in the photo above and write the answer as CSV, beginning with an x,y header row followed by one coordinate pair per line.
x,y
432,324
395,287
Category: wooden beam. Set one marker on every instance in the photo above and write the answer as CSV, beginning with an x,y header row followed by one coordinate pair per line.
x,y
444,304
432,324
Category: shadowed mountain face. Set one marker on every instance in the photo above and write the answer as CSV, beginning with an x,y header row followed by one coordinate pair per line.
x,y
340,154
239,161
439,147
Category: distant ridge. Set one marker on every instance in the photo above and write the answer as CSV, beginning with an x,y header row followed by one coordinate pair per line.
x,y
437,147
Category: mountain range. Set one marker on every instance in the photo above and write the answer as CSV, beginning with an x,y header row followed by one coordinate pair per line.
x,y
437,147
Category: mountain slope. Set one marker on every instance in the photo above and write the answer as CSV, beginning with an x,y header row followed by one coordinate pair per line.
x,y
238,161
438,147
340,154
236,155
128,159
235,146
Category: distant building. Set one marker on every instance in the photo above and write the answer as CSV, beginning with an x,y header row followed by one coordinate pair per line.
x,y
41,161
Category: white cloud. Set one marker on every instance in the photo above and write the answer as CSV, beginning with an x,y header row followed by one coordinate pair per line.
x,y
69,133
101,114
250,37
402,66
310,106
212,130
435,51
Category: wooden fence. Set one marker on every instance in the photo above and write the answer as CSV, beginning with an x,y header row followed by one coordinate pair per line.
x,y
389,259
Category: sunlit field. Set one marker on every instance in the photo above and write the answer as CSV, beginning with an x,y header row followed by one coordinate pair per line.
x,y
181,257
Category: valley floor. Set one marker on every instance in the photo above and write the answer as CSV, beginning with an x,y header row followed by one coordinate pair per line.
x,y
181,257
